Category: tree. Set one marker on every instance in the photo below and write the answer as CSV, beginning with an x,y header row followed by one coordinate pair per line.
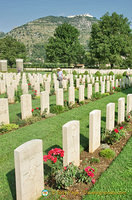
x,y
10,49
64,46
111,41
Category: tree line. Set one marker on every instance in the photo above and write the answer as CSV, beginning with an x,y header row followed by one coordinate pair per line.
x,y
110,44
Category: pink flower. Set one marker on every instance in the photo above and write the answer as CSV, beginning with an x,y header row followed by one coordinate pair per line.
x,y
121,127
32,110
37,108
65,168
93,181
35,94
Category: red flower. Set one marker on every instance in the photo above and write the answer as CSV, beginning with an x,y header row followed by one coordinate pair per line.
x,y
65,168
37,108
91,174
35,90
35,94
121,127
32,90
93,181
45,158
87,169
32,110
55,159
113,87
128,116
29,83
116,130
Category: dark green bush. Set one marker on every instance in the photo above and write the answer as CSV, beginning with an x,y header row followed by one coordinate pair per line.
x,y
124,73
74,72
98,74
111,73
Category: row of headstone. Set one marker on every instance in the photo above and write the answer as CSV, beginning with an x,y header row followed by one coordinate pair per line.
x,y
29,170
19,65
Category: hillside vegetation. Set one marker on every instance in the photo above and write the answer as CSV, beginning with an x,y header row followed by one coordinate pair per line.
x,y
36,33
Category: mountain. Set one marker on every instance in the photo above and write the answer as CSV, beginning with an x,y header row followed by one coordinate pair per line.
x,y
35,34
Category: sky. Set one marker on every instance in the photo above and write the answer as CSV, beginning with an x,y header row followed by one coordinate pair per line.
x,y
14,13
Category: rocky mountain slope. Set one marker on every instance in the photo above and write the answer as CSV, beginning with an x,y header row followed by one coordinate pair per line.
x,y
37,32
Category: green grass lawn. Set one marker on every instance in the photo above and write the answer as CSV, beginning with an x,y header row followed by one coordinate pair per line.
x,y
116,179
50,131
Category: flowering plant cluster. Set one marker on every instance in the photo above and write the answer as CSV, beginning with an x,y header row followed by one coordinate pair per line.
x,y
36,112
34,93
29,86
86,175
52,153
54,159
115,135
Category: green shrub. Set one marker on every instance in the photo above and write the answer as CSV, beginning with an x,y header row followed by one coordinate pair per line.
x,y
107,153
86,73
124,73
118,76
57,109
96,95
21,122
98,74
81,103
94,160
18,94
111,73
8,127
74,72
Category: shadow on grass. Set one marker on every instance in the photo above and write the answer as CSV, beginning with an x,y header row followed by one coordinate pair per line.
x,y
84,142
19,115
11,181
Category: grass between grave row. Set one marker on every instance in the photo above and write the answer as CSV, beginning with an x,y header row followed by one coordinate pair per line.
x,y
116,181
50,131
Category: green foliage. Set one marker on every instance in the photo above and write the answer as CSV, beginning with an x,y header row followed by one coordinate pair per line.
x,y
81,103
74,72
18,94
10,49
86,72
107,153
118,89
111,41
57,109
98,74
118,76
96,95
94,160
46,65
111,73
65,177
111,137
8,127
124,73
65,46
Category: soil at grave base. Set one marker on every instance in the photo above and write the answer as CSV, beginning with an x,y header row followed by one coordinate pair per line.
x,y
78,190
